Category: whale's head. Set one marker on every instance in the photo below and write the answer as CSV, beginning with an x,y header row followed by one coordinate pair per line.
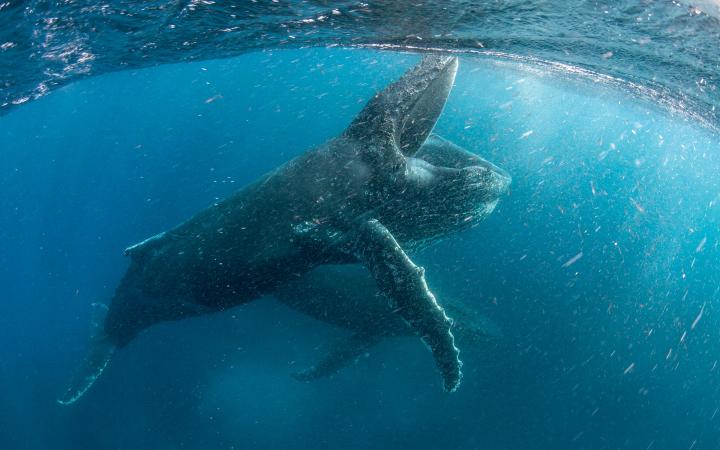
x,y
444,189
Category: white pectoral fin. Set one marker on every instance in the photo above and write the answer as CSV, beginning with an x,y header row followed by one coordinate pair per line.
x,y
99,355
342,355
404,283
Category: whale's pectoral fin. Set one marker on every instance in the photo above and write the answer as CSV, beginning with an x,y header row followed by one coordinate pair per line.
x,y
403,114
98,357
342,355
404,283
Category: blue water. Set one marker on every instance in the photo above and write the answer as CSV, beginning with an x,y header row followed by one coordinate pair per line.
x,y
667,48
600,267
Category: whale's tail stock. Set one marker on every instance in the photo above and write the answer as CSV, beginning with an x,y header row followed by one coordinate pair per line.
x,y
98,356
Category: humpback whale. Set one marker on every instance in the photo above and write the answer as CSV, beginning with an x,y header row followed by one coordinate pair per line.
x,y
362,197
347,296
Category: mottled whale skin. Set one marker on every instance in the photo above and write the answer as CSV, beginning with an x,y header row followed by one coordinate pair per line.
x,y
347,297
359,198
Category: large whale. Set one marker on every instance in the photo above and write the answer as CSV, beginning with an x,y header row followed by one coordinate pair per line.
x,y
347,296
358,198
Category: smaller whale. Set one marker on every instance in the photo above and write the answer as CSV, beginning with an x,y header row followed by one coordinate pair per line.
x,y
348,297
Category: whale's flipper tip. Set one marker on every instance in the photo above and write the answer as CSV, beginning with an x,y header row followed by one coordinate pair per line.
x,y
101,351
404,113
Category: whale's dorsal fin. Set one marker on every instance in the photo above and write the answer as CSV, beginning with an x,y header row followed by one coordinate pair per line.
x,y
136,248
405,112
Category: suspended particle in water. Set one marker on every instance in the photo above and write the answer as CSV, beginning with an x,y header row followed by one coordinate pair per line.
x,y
573,260
629,368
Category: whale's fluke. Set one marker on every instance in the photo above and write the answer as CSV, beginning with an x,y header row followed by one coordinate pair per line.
x,y
98,357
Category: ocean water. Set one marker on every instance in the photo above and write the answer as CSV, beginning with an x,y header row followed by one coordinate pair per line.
x,y
600,268
667,49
